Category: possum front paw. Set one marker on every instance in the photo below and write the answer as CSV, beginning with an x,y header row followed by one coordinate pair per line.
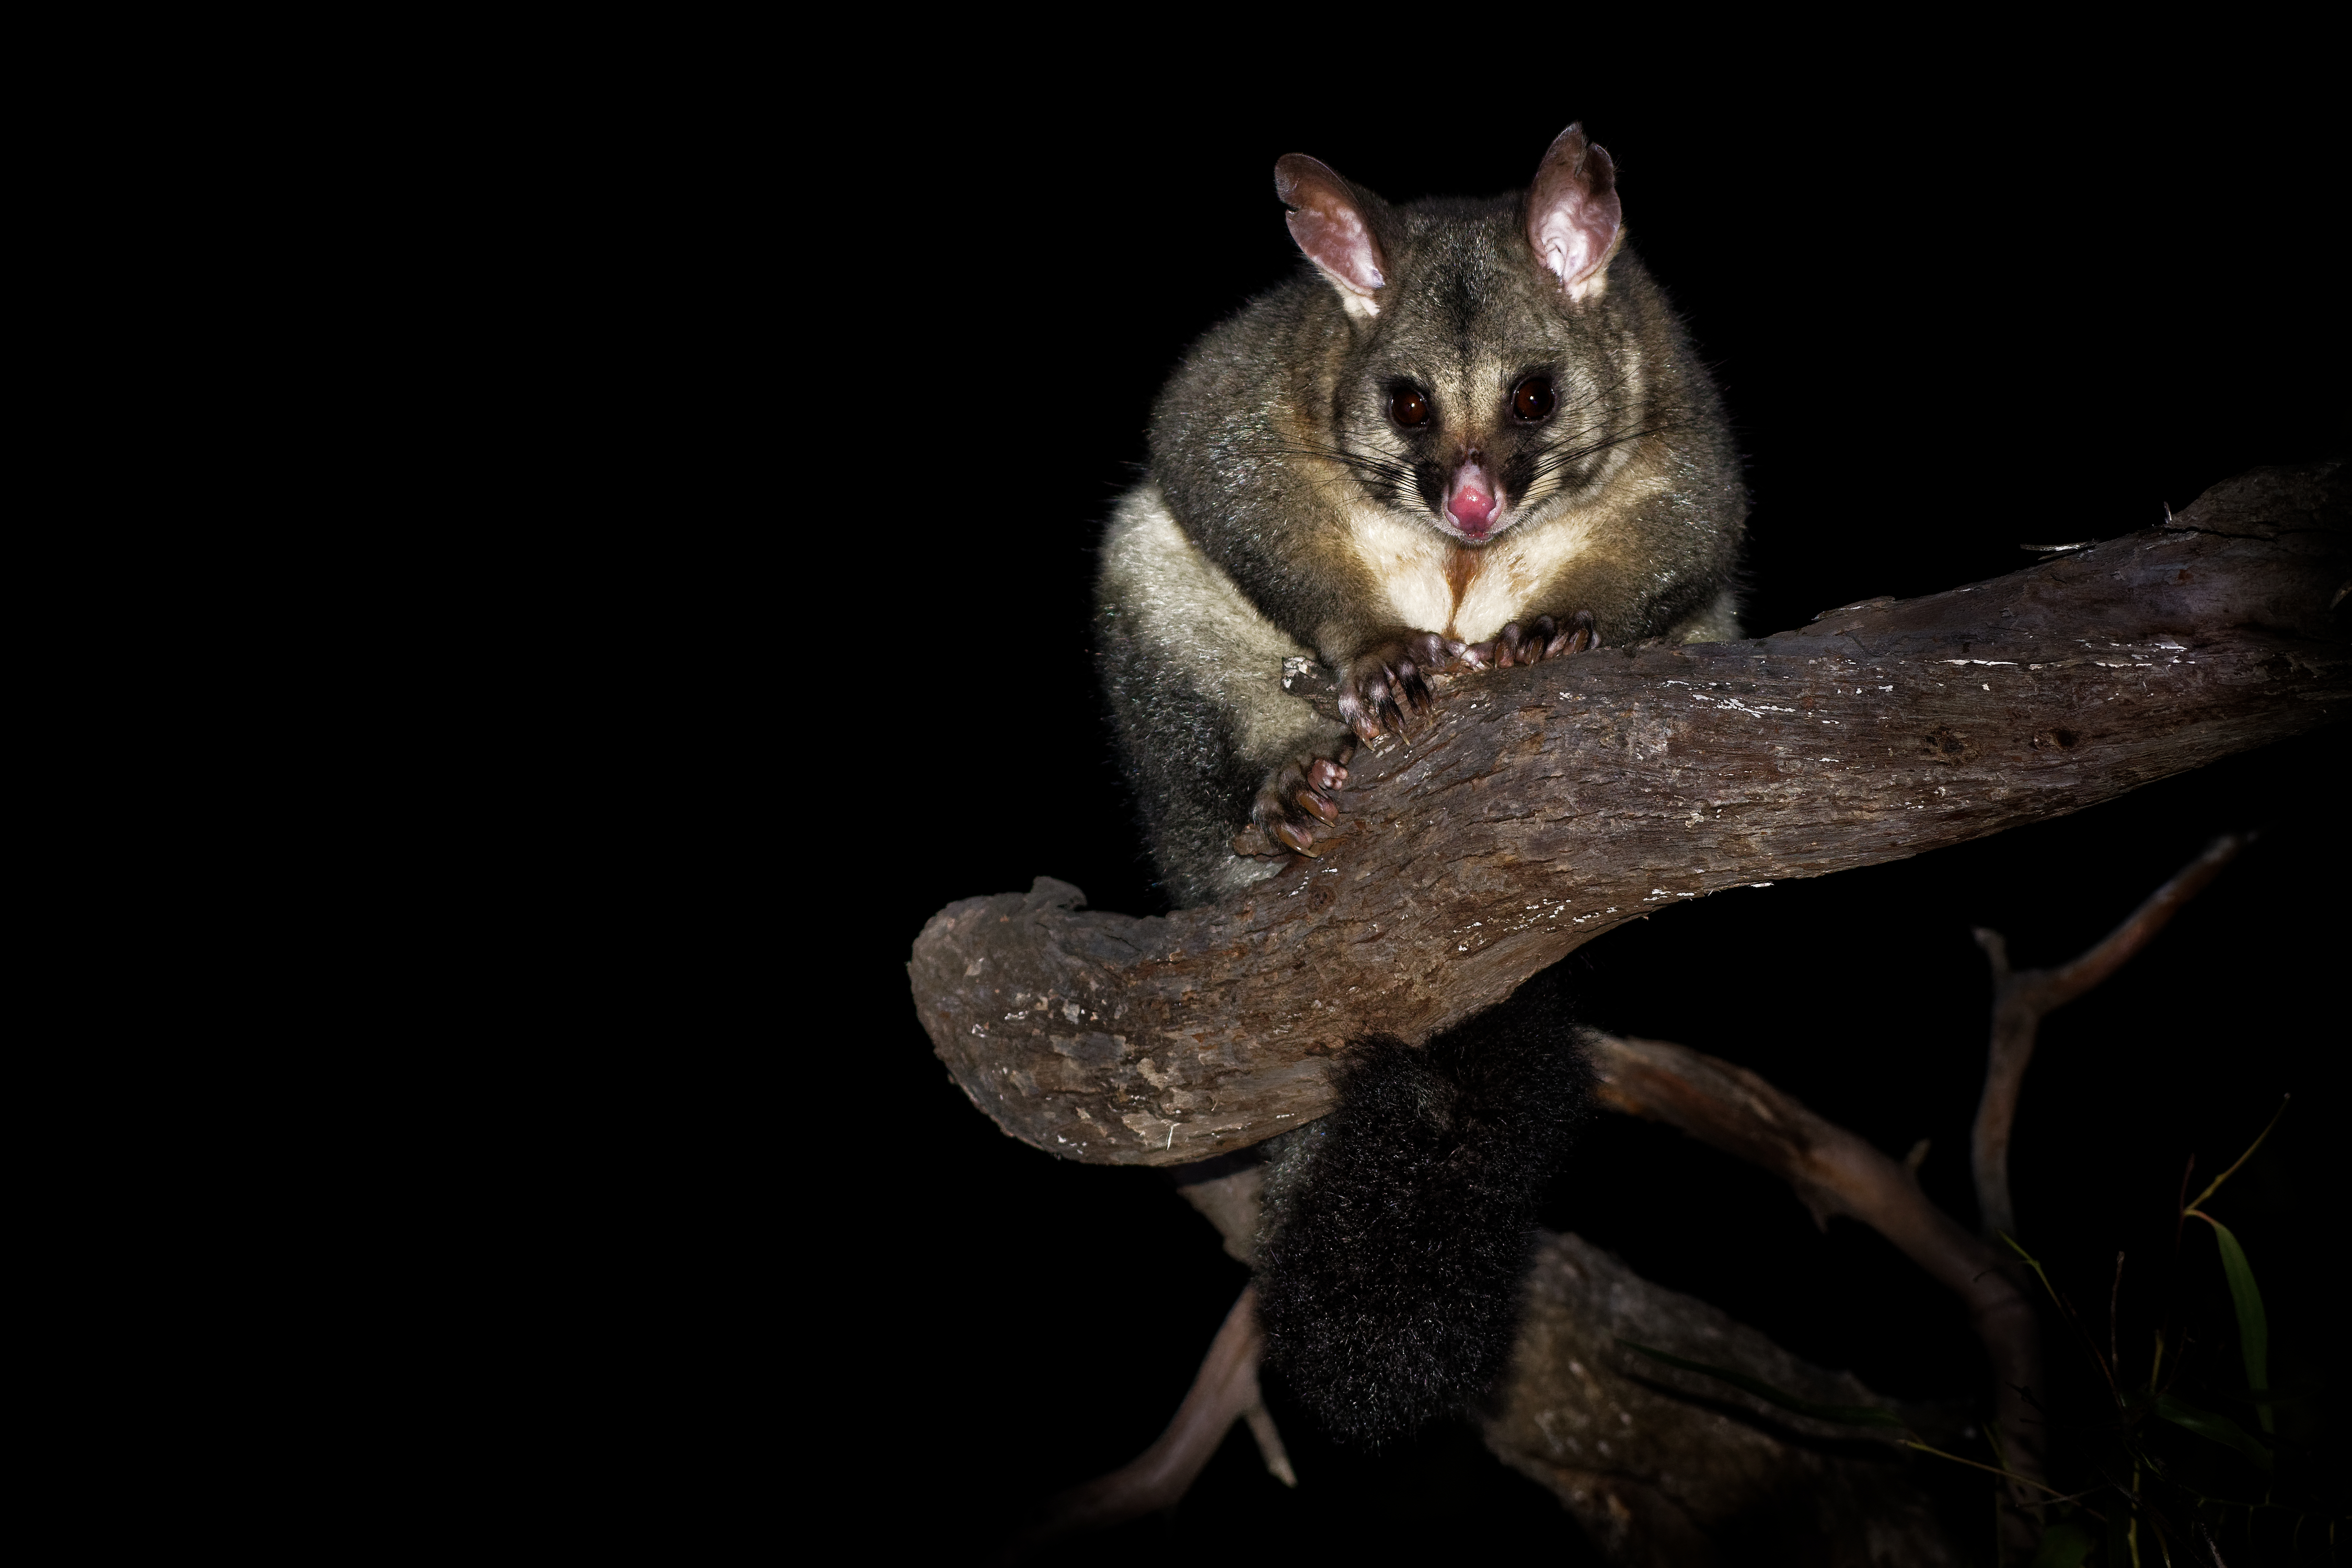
x,y
1297,799
1388,682
1538,640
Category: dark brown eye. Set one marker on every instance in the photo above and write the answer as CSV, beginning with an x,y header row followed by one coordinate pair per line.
x,y
1533,399
1408,408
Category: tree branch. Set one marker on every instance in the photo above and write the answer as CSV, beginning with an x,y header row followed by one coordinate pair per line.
x,y
2020,1000
1544,805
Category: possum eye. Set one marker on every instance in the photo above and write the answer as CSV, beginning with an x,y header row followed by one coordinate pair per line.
x,y
1408,408
1533,399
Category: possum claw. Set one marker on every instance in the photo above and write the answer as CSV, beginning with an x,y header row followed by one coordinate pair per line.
x,y
1384,688
1533,642
1297,803
1579,636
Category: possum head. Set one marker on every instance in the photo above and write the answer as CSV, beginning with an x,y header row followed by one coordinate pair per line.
x,y
1485,374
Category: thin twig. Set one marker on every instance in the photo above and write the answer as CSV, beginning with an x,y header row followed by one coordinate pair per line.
x,y
1224,1390
2066,1310
2115,1296
2020,1000
2215,1185
1994,1470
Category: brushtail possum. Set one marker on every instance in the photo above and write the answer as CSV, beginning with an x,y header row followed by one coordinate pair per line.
x,y
1466,434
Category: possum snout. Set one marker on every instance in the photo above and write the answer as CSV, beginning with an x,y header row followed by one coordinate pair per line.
x,y
1471,500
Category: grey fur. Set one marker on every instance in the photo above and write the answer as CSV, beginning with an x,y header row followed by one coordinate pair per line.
x,y
1251,543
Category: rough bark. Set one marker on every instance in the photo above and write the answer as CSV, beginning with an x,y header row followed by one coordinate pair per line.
x,y
1669,1467
1541,806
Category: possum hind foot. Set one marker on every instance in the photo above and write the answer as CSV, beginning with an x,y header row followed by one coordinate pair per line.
x,y
1297,799
1387,684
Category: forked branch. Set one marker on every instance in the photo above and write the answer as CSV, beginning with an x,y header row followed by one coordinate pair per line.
x,y
1224,1390
2022,998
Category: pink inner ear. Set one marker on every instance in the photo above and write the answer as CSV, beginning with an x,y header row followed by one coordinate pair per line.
x,y
1327,224
1573,213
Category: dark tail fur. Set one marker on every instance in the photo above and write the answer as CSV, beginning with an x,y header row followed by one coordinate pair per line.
x,y
1398,1226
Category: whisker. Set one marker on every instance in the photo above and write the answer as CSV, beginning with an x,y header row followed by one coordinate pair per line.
x,y
1367,464
1392,479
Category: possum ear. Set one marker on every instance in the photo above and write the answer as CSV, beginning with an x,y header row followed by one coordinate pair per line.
x,y
1331,221
1574,219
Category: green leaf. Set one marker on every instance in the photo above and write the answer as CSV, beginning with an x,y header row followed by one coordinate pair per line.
x,y
2064,1546
2254,1327
2213,1428
1846,1414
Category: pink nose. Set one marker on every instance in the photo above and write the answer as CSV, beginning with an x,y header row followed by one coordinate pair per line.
x,y
1472,504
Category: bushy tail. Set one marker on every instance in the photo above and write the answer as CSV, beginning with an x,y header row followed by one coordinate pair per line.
x,y
1399,1227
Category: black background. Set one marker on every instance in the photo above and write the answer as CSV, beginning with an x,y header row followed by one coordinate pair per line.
x,y
1947,319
